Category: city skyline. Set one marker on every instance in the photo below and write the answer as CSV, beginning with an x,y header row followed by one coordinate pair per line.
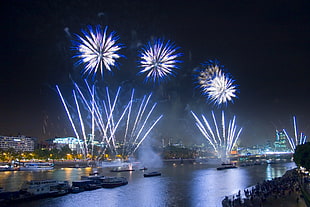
x,y
262,44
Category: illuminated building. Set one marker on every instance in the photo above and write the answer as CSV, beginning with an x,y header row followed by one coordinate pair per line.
x,y
72,142
18,143
280,144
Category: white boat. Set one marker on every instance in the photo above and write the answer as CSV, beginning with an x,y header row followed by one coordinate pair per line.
x,y
38,187
5,167
28,166
45,187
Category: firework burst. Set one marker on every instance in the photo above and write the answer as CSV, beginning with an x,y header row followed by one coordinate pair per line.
x,y
158,60
97,50
220,89
221,139
215,84
206,74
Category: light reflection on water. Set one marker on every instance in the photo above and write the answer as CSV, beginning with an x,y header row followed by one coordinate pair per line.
x,y
179,185
210,183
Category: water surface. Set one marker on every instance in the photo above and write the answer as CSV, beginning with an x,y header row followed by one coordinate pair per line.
x,y
180,185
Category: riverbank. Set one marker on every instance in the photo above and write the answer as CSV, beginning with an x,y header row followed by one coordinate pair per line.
x,y
283,191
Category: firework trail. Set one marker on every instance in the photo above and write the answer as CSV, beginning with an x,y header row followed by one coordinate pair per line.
x,y
221,139
97,50
215,84
158,60
297,140
121,129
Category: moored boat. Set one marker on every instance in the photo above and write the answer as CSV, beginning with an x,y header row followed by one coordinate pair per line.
x,y
82,185
35,189
122,169
63,188
94,173
7,167
151,174
28,166
112,182
95,179
42,188
226,166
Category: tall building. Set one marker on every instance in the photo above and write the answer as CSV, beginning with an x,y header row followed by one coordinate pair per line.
x,y
280,144
19,143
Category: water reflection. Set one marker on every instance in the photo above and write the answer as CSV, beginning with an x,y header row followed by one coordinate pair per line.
x,y
151,191
179,185
208,184
277,170
70,174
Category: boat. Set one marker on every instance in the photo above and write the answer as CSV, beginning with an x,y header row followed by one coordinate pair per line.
x,y
122,169
6,168
94,173
35,189
75,189
82,185
45,188
77,166
112,182
226,166
144,168
28,166
63,188
152,174
96,179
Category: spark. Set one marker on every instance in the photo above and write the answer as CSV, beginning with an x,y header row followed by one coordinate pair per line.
x,y
158,60
215,84
121,129
297,140
222,140
97,50
220,89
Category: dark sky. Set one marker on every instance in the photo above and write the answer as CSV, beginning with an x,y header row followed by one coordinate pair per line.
x,y
265,45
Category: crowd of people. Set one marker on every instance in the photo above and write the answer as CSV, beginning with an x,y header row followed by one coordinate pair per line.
x,y
261,193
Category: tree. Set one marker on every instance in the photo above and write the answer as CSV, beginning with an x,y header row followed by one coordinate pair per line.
x,y
302,155
64,151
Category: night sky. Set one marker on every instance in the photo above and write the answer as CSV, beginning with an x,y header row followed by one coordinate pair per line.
x,y
264,45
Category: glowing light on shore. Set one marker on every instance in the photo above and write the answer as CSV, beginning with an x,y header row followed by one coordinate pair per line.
x,y
97,50
221,139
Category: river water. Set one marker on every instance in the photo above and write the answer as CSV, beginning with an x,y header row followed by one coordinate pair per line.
x,y
192,185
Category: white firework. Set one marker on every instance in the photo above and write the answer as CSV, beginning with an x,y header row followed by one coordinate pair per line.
x,y
159,60
97,50
215,84
297,140
221,139
220,89
207,74
109,121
